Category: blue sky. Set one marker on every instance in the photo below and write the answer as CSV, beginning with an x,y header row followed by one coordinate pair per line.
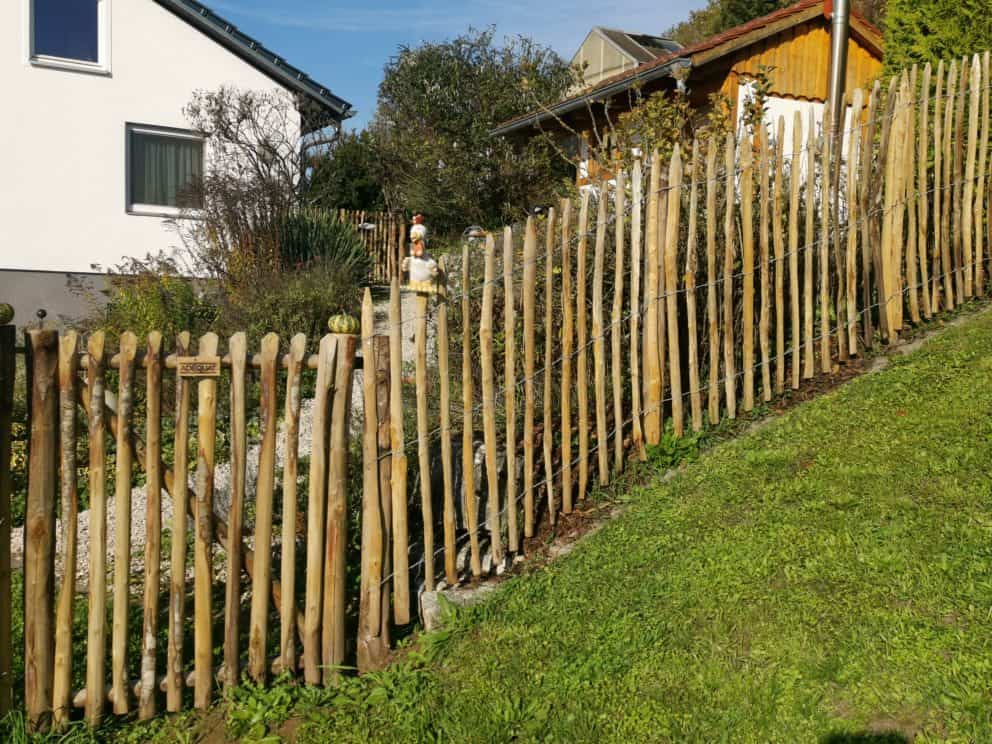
x,y
344,44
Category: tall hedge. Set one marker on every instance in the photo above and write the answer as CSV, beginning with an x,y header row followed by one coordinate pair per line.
x,y
919,31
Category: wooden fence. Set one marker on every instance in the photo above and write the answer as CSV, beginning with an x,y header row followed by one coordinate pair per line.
x,y
384,234
675,295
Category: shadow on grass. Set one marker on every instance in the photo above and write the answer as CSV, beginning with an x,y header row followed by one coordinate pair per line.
x,y
887,737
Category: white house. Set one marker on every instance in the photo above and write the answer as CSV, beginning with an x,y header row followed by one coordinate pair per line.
x,y
95,142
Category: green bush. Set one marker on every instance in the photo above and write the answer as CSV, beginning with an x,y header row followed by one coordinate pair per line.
x,y
295,301
308,235
152,295
919,31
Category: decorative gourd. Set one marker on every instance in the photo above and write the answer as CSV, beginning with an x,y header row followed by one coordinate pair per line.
x,y
6,313
343,323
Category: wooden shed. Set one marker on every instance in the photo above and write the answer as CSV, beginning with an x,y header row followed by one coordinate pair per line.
x,y
793,43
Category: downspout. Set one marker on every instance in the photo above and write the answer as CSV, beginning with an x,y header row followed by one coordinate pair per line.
x,y
840,31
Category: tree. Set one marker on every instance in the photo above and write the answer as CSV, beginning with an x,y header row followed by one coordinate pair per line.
x,y
349,175
719,15
919,31
438,104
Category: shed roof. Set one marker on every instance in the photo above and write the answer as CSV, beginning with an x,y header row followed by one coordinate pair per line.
x,y
640,47
704,52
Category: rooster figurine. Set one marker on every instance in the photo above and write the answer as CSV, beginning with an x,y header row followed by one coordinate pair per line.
x,y
423,271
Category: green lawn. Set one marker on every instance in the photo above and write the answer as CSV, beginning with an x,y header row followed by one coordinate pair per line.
x,y
826,578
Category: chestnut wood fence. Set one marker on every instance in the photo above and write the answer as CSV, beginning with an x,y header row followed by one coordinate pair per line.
x,y
680,293
384,235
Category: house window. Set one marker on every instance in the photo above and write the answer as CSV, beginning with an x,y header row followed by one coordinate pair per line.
x,y
71,34
164,168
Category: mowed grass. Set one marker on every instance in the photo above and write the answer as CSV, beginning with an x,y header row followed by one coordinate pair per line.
x,y
827,578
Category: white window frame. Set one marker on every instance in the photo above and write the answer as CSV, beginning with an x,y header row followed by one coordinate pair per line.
x,y
100,67
156,210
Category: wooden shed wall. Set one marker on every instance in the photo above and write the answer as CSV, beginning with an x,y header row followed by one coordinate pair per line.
x,y
800,58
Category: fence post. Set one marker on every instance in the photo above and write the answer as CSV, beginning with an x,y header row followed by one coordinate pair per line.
x,y
39,529
370,647
7,367
336,529
68,362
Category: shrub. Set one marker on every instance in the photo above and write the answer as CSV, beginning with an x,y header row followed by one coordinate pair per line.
x,y
309,234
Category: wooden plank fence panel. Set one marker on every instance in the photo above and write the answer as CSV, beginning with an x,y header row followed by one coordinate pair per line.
x,y
258,629
712,314
510,390
778,240
147,698
764,225
237,347
691,267
489,400
567,344
124,478
373,548
39,528
316,505
809,248
616,332
287,604
652,360
582,363
637,196
400,541
729,256
423,443
598,342
203,646
547,392
922,191
825,235
401,558
62,682
7,375
177,565
529,288
333,638
747,269
469,503
671,285
795,182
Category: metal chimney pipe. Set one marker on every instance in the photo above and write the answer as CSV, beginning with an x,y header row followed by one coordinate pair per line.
x,y
840,31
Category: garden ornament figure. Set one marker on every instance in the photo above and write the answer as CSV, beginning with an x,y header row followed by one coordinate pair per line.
x,y
424,274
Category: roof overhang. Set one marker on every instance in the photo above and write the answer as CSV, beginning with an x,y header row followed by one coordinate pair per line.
x,y
331,108
697,56
603,93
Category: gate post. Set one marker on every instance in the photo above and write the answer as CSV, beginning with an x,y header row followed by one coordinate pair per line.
x,y
7,351
39,529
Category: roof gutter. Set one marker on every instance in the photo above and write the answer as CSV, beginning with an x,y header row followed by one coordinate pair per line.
x,y
608,91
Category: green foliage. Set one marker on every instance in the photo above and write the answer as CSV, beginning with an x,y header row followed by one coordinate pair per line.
x,y
719,15
293,302
672,450
350,175
152,295
919,31
438,103
310,234
254,710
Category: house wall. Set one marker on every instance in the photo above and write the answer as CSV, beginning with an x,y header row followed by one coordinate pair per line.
x,y
603,58
63,167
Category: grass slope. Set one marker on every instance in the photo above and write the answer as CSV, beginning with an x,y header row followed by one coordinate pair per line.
x,y
826,578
